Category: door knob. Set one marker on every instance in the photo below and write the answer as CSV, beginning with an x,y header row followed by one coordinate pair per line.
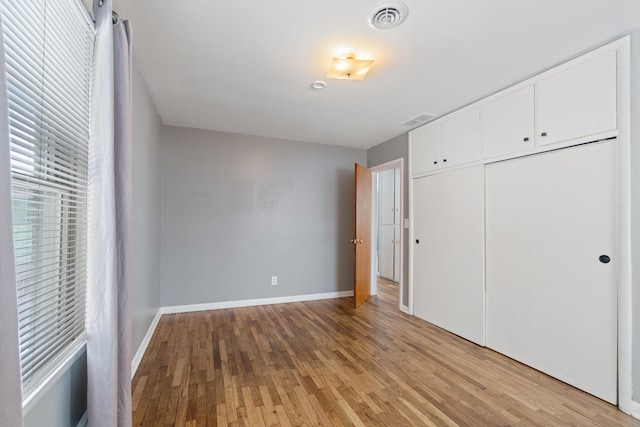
x,y
353,241
360,241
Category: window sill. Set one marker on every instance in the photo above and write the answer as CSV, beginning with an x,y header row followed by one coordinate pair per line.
x,y
65,361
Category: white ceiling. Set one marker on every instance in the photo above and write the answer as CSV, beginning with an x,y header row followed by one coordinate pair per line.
x,y
246,66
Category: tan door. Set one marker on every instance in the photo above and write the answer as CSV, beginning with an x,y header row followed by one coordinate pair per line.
x,y
362,239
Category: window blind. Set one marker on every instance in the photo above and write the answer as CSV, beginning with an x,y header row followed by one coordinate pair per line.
x,y
48,54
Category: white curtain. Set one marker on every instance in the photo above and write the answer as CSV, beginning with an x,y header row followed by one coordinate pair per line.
x,y
10,383
108,314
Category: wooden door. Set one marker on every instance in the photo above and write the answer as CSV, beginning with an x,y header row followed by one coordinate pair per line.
x,y
362,238
448,283
551,294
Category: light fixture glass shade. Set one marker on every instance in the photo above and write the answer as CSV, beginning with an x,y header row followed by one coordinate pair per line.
x,y
348,67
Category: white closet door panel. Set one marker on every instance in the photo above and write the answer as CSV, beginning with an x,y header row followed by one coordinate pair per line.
x,y
425,148
507,124
448,260
396,253
550,302
387,196
396,193
578,102
385,255
460,138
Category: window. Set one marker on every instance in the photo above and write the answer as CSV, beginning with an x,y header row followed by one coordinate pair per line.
x,y
48,55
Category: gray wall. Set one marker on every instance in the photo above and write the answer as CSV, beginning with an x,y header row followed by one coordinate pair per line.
x,y
238,209
393,149
147,161
635,210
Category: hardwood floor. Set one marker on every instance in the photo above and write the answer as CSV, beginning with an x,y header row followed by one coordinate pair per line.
x,y
324,363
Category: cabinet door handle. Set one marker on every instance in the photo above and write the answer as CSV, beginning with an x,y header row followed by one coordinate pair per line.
x,y
543,134
417,241
526,139
444,160
604,259
435,163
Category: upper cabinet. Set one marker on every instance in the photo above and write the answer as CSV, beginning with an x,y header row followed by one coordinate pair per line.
x,y
579,101
445,143
425,148
508,124
571,104
460,138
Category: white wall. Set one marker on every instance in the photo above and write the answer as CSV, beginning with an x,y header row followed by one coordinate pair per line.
x,y
238,209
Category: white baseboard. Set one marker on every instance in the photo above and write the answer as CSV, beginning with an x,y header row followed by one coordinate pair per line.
x,y
252,302
84,421
405,309
137,358
635,410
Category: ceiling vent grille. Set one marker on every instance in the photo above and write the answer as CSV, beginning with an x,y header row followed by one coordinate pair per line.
x,y
387,14
418,120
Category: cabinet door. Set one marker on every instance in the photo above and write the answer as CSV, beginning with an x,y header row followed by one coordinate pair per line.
x,y
507,124
578,102
551,303
387,197
460,138
396,253
385,253
396,193
425,151
448,282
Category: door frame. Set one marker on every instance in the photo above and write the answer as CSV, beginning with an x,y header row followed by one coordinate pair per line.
x,y
397,163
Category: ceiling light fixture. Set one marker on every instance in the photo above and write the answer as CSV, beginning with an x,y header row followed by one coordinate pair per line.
x,y
387,14
348,67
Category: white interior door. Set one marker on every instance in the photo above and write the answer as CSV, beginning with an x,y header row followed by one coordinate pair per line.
x,y
448,283
550,301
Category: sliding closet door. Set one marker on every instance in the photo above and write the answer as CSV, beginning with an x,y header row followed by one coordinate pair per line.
x,y
448,286
551,264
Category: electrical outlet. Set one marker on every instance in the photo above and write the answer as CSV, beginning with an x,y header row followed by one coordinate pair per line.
x,y
274,280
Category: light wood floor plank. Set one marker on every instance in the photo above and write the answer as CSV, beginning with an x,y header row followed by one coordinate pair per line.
x,y
324,363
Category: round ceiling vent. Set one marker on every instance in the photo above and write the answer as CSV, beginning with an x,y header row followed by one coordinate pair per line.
x,y
387,14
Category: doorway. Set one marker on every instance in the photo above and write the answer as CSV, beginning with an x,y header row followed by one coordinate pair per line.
x,y
387,249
